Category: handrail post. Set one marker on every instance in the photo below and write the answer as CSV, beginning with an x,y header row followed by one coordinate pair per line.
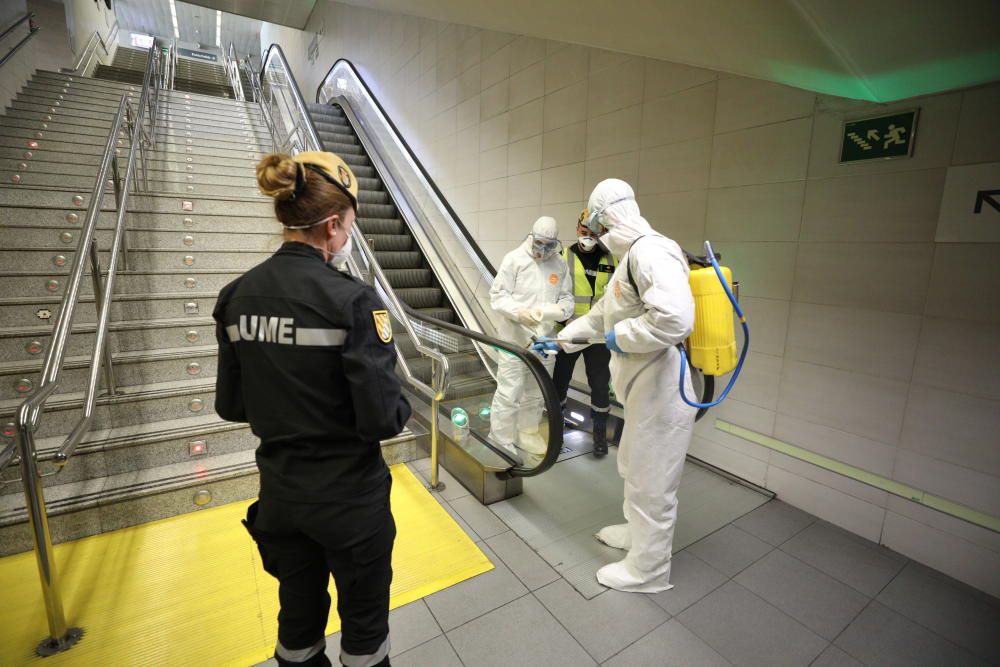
x,y
60,637
435,439
95,270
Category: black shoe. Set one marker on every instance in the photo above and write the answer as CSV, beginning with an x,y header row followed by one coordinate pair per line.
x,y
600,420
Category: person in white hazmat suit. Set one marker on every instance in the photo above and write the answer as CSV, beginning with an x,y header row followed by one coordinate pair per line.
x,y
532,291
642,325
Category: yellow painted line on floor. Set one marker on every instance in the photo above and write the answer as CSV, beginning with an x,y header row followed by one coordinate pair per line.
x,y
190,590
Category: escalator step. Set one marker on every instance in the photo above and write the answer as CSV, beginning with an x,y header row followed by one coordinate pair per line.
x,y
403,278
353,160
376,211
420,297
342,149
369,183
399,260
381,225
443,313
374,197
389,242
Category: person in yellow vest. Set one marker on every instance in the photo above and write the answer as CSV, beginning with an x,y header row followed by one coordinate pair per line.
x,y
590,266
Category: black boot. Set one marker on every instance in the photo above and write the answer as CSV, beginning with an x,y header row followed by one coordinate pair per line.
x,y
600,420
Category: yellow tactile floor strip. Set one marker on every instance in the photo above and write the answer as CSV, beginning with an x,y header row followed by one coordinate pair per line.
x,y
190,590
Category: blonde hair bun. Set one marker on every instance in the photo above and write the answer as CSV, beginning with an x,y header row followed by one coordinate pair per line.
x,y
276,174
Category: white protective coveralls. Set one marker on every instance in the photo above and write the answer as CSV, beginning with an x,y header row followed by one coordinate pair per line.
x,y
531,292
658,424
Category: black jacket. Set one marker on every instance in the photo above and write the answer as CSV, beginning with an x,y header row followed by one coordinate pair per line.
x,y
301,360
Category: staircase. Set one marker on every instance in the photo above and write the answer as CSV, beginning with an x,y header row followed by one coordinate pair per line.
x,y
191,76
156,448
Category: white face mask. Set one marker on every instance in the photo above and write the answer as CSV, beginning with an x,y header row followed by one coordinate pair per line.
x,y
339,258
587,243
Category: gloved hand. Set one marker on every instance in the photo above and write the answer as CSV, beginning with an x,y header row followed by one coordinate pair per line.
x,y
612,343
529,316
552,313
549,345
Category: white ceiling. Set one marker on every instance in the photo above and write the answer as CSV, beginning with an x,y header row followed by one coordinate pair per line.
x,y
291,13
868,49
194,23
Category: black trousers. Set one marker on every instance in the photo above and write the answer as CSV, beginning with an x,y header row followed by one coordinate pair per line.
x,y
597,359
301,545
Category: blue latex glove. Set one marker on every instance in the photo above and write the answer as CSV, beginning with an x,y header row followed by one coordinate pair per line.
x,y
545,346
612,343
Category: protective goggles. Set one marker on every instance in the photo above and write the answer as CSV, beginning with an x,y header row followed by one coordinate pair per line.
x,y
544,246
592,223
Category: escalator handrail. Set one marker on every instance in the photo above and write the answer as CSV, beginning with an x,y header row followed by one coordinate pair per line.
x,y
550,399
440,383
413,156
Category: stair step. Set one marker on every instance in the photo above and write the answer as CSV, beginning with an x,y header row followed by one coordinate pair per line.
x,y
47,283
24,311
140,259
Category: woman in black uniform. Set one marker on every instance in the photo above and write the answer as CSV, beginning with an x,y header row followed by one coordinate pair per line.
x,y
306,357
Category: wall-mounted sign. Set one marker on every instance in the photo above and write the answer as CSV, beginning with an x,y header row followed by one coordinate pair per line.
x,y
970,207
198,55
880,138
141,41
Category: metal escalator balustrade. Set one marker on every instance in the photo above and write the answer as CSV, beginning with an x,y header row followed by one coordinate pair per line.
x,y
409,284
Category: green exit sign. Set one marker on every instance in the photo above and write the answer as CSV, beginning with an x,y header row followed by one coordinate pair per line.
x,y
883,137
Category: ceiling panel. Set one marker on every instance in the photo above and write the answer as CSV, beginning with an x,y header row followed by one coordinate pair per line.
x,y
291,13
195,24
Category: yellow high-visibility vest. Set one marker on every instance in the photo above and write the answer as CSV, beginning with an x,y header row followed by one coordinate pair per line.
x,y
583,296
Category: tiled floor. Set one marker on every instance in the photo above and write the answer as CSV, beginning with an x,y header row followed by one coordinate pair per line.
x,y
774,587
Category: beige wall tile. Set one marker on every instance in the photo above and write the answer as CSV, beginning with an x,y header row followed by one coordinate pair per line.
x,y
496,68
493,132
900,206
524,156
863,341
889,277
978,139
603,59
865,405
524,189
744,103
833,480
526,121
564,146
767,318
939,521
525,52
519,222
834,506
464,199
769,212
562,184
493,163
470,52
447,68
445,124
663,78
527,85
467,141
493,225
446,96
566,215
731,460
759,380
566,106
494,100
566,67
969,487
767,154
743,414
613,133
959,355
681,116
966,561
765,270
954,427
468,113
963,274
493,194
624,166
614,88
493,41
678,215
675,167
855,450
467,169
933,148
469,83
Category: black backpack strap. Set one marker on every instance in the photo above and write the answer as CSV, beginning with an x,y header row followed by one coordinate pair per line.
x,y
628,264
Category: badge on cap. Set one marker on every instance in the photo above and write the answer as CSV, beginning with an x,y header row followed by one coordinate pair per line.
x,y
383,326
344,176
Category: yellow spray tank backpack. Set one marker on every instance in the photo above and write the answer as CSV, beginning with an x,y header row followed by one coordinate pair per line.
x,y
711,347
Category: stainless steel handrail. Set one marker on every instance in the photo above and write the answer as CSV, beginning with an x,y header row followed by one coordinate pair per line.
x,y
89,52
32,29
28,415
231,61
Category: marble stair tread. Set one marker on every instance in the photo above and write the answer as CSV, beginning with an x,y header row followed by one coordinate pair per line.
x,y
89,297
120,436
82,494
136,356
121,325
124,395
